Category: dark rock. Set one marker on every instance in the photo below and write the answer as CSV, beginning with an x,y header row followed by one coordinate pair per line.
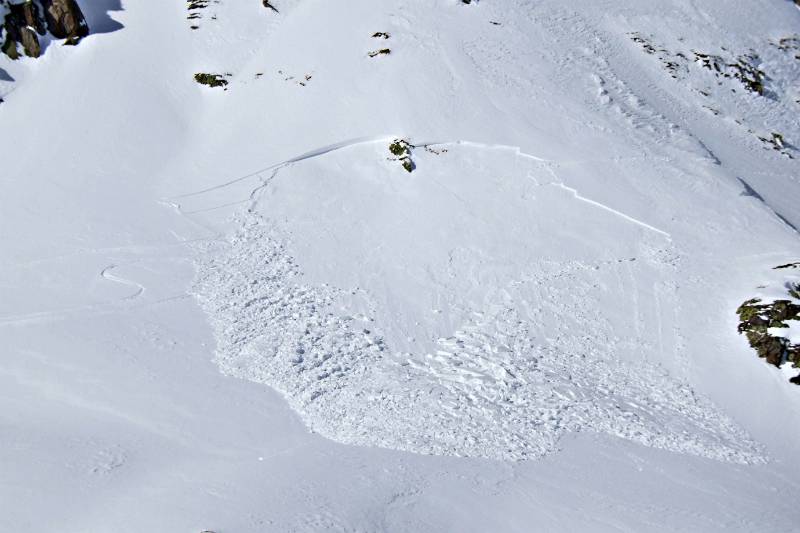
x,y
29,12
22,23
30,42
24,15
772,349
793,355
65,19
402,150
10,48
12,24
212,80
785,310
757,318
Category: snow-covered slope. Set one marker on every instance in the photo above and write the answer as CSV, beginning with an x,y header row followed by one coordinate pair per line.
x,y
234,309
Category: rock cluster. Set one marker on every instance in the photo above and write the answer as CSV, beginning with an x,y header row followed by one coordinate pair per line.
x,y
756,320
27,21
212,80
401,149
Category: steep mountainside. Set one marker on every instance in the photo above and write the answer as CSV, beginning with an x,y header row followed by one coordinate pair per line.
x,y
403,265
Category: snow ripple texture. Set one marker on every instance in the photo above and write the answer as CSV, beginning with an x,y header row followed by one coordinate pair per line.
x,y
491,389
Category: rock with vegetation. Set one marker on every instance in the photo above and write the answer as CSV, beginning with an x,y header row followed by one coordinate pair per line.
x,y
195,8
212,80
717,75
401,149
766,324
742,68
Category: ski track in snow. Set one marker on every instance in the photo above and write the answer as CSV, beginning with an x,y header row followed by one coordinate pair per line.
x,y
490,389
106,274
57,314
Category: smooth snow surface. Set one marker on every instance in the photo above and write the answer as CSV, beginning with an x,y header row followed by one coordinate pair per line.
x,y
234,310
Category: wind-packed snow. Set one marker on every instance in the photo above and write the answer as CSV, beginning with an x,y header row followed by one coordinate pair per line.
x,y
233,309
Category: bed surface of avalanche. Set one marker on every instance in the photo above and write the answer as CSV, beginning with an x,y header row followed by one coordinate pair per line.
x,y
474,307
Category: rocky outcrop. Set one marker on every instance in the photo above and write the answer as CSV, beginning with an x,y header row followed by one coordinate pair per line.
x,y
21,25
401,149
30,42
25,22
65,19
763,323
212,80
